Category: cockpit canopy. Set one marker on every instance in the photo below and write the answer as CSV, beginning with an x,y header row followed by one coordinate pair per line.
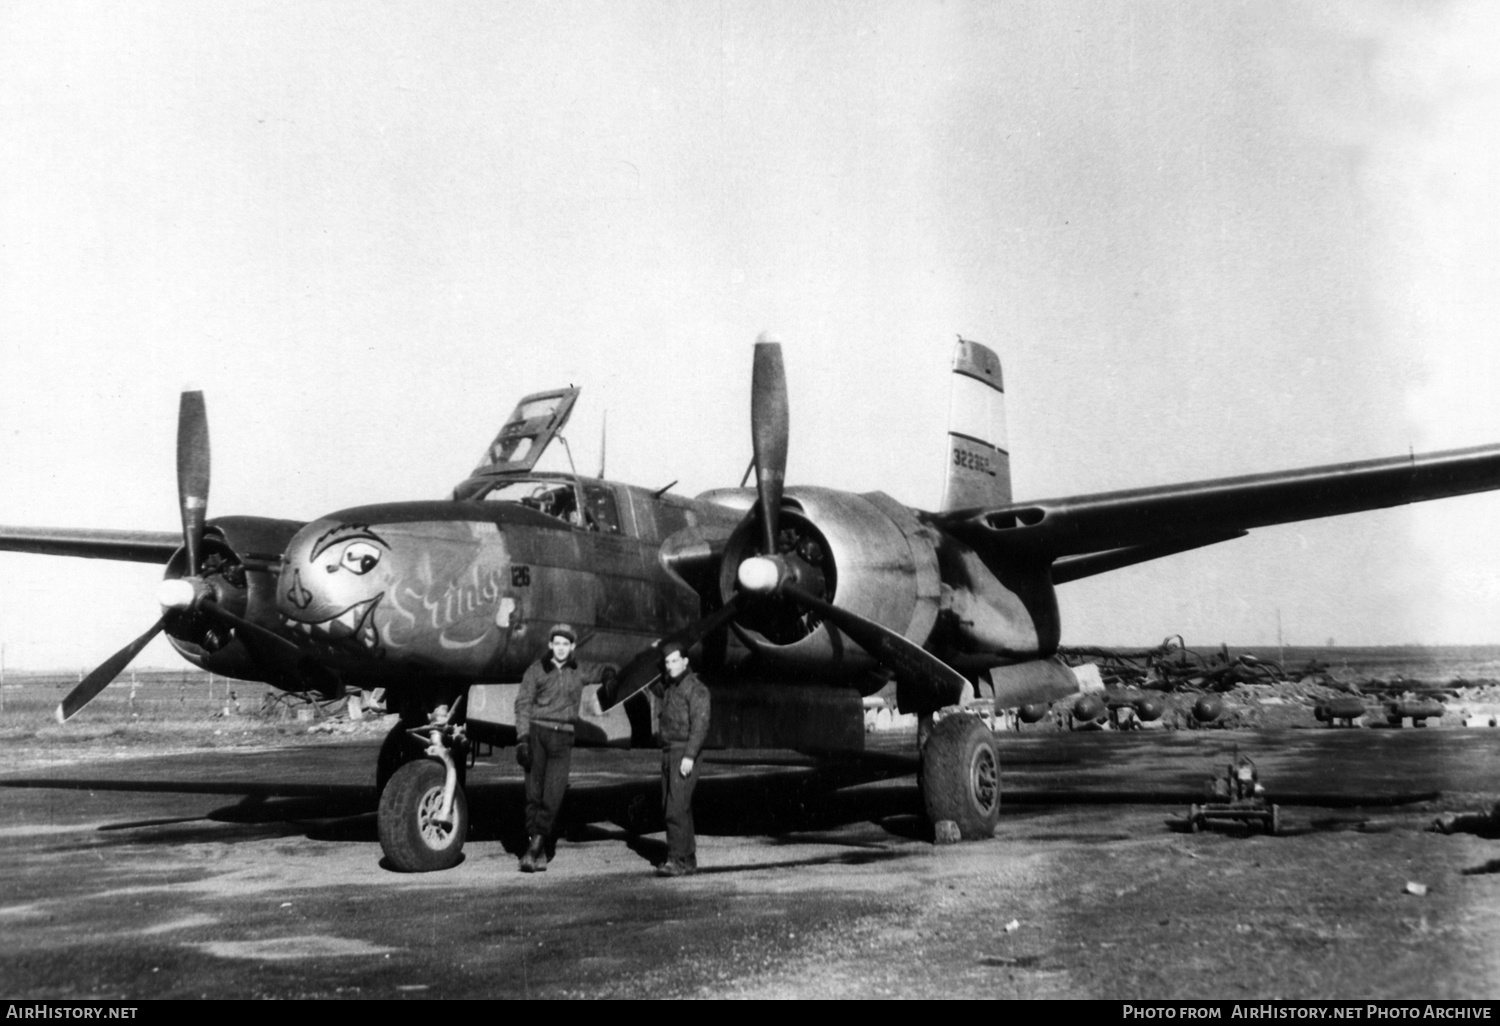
x,y
556,495
507,473
533,424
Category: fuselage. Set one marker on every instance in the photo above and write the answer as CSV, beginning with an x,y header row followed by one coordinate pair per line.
x,y
463,590
466,588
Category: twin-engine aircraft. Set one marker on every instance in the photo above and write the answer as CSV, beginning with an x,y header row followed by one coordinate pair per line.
x,y
799,601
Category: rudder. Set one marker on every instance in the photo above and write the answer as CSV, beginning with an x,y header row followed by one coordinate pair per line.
x,y
978,469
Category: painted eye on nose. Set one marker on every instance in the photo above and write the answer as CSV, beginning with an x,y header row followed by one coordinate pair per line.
x,y
360,557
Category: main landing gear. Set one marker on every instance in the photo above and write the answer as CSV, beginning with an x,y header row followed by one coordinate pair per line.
x,y
424,815
960,776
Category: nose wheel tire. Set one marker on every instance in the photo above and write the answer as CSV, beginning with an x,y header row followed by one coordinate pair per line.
x,y
412,834
961,776
398,749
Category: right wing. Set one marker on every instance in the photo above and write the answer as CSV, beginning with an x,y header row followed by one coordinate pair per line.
x,y
1088,534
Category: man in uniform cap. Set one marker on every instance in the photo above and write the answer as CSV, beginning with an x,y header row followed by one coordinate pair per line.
x,y
684,727
546,706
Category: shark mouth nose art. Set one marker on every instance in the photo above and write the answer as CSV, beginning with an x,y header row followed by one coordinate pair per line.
x,y
353,628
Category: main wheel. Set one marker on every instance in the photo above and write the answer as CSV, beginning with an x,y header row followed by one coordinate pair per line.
x,y
412,836
961,776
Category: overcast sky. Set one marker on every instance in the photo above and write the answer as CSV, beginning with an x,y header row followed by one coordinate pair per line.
x,y
1205,239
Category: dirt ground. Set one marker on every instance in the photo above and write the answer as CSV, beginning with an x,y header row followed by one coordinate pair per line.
x,y
181,863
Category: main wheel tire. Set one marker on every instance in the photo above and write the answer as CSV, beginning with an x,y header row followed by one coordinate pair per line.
x,y
413,838
961,776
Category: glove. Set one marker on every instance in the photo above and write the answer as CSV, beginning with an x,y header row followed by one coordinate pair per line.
x,y
523,755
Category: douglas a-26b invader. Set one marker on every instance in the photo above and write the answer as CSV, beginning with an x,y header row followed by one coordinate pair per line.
x,y
801,599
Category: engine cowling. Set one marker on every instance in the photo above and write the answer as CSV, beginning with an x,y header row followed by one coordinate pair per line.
x,y
240,556
865,553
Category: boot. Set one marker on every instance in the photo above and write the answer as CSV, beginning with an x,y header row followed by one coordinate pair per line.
x,y
528,860
535,859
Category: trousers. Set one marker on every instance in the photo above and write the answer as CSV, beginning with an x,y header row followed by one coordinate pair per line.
x,y
677,807
547,780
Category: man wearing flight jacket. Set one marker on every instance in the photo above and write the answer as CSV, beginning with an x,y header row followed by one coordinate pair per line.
x,y
684,727
546,706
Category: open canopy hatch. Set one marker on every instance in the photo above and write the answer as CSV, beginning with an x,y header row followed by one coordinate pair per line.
x,y
536,421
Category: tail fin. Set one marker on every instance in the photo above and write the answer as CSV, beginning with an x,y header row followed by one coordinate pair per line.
x,y
978,449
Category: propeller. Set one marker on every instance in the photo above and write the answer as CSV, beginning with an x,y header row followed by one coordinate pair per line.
x,y
644,668
769,420
770,574
769,429
192,475
104,673
191,593
907,659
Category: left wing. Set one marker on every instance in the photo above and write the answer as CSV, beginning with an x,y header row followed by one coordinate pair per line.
x,y
1089,534
129,546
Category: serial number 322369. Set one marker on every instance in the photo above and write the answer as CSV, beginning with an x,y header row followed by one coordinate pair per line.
x,y
971,461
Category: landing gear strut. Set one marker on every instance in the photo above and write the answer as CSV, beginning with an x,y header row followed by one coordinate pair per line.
x,y
424,814
961,775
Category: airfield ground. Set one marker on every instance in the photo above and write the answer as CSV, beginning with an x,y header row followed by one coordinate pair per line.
x,y
230,857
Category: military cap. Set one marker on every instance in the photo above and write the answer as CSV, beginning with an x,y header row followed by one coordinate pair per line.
x,y
564,630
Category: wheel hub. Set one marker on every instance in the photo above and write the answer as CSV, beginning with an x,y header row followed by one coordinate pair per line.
x,y
436,830
984,779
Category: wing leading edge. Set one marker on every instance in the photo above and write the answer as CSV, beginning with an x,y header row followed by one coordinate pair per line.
x,y
128,546
1089,534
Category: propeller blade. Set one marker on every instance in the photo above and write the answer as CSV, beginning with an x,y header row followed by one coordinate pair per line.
x,y
768,427
941,683
192,474
644,668
255,630
89,688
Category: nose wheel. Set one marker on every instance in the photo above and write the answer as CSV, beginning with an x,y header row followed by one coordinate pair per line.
x,y
416,834
423,818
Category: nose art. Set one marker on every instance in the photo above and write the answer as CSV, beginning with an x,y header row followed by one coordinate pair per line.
x,y
298,596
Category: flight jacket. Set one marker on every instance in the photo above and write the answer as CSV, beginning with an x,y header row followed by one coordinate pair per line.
x,y
683,719
550,694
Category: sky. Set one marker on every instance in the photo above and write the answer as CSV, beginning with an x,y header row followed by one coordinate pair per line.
x,y
1204,239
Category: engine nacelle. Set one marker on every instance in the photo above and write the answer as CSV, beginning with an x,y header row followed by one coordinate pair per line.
x,y
241,558
865,553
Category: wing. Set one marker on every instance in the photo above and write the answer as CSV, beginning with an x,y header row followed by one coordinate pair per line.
x,y
1089,534
130,546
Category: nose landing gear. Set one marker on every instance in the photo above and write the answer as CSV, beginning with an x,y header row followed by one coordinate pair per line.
x,y
423,819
